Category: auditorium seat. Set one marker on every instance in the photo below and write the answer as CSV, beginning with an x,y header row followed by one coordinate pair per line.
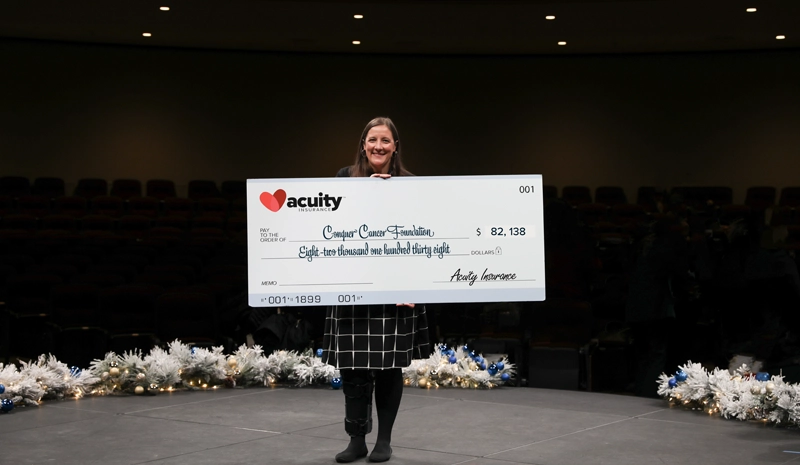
x,y
97,223
109,205
213,206
610,195
15,186
160,189
144,206
576,195
90,188
179,206
760,197
732,213
126,188
232,190
134,226
49,187
202,189
7,205
180,223
591,213
790,197
20,221
35,205
72,205
238,208
60,222
207,222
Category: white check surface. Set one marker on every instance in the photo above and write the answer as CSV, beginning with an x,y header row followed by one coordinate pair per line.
x,y
337,241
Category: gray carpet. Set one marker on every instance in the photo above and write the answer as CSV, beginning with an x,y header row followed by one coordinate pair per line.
x,y
446,426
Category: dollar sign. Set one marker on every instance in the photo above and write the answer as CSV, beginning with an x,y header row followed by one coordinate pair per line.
x,y
478,231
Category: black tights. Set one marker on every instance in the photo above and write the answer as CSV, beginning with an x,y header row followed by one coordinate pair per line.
x,y
388,393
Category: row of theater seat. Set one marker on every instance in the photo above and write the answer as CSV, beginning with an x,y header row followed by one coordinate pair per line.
x,y
63,292
757,197
53,187
89,188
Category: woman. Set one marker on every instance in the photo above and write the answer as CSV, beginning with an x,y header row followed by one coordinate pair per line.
x,y
350,343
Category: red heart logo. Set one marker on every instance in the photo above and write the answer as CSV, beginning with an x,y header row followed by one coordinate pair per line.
x,y
273,202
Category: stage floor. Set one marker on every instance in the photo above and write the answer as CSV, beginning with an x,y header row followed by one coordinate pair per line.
x,y
508,425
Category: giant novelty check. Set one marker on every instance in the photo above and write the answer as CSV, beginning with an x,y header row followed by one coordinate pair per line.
x,y
340,241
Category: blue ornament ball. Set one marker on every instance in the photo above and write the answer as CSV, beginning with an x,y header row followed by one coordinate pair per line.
x,y
2,389
194,350
479,359
673,382
492,370
452,359
482,366
501,366
74,372
762,376
6,405
319,352
466,348
451,352
336,383
505,376
680,376
473,354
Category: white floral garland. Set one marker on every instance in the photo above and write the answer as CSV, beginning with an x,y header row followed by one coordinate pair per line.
x,y
183,367
741,395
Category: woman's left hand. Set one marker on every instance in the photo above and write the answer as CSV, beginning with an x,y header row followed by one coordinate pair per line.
x,y
381,175
406,305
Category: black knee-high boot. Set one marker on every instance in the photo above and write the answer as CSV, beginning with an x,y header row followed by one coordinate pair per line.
x,y
388,393
357,387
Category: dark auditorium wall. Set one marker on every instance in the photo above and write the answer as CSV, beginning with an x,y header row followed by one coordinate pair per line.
x,y
78,110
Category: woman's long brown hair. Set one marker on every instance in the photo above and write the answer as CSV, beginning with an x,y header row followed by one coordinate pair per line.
x,y
361,167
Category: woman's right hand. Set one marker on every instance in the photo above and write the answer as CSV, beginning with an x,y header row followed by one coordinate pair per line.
x,y
381,175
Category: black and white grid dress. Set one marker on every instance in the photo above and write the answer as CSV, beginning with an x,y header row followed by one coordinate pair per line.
x,y
374,337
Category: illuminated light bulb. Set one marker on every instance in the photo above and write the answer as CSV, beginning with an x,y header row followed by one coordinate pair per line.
x,y
562,43
164,8
781,37
147,34
358,16
550,17
356,42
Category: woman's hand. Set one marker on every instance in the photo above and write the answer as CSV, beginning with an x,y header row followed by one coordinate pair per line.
x,y
406,305
381,175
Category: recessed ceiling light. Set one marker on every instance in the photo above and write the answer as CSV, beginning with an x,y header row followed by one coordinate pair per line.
x,y
358,16
550,17
780,37
146,34
751,10
164,8
562,43
356,42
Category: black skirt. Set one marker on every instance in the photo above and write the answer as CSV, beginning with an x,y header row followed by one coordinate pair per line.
x,y
374,337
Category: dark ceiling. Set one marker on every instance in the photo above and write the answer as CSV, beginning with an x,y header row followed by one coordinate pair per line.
x,y
414,26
